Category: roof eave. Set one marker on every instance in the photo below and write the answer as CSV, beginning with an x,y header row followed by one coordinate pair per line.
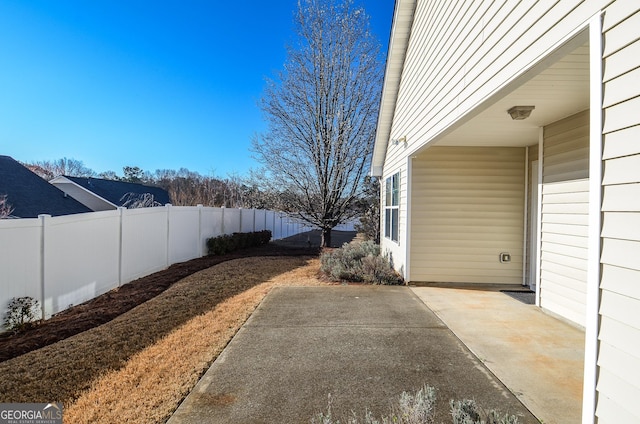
x,y
64,179
398,41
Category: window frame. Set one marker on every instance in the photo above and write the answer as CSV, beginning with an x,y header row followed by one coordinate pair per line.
x,y
392,208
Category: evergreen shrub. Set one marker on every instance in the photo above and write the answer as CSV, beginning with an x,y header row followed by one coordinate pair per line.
x,y
228,243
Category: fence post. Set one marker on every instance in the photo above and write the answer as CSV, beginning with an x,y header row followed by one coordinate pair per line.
x,y
222,229
44,225
120,244
168,208
240,226
200,245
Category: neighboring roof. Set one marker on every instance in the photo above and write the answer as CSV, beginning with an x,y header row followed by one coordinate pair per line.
x,y
117,191
398,42
30,196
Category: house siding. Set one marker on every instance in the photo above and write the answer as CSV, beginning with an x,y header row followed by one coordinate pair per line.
x,y
467,209
565,214
619,337
463,56
458,55
459,52
395,249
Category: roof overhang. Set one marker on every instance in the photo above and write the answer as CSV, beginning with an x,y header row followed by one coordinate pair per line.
x,y
399,40
61,180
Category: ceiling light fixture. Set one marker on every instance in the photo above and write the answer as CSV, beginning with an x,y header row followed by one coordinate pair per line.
x,y
518,113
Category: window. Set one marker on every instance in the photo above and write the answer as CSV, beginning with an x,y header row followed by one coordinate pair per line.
x,y
391,206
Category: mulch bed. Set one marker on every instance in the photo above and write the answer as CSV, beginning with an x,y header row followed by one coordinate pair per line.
x,y
108,306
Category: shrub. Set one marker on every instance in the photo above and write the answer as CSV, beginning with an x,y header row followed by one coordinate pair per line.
x,y
21,313
359,262
419,408
468,412
228,243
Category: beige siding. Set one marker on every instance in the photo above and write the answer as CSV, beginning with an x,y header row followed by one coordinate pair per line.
x,y
565,209
467,208
461,52
396,249
619,350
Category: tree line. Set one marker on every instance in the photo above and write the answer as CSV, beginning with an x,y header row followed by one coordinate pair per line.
x,y
185,187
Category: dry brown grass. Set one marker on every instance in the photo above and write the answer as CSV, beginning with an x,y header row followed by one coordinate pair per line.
x,y
138,367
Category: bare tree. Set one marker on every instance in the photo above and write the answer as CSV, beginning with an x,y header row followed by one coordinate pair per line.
x,y
51,169
139,200
5,208
321,114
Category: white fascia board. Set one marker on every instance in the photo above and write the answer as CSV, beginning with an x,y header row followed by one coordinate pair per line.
x,y
64,180
398,41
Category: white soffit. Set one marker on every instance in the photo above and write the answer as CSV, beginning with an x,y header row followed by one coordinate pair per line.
x,y
559,91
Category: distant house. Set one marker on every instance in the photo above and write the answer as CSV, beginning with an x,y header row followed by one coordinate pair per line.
x,y
101,195
30,196
476,191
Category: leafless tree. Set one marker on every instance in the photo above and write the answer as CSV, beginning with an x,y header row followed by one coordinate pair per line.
x,y
51,169
321,113
139,200
5,208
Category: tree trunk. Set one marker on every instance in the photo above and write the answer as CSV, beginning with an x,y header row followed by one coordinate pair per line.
x,y
326,237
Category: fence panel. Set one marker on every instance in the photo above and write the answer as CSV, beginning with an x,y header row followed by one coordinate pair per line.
x,y
85,255
231,221
144,242
20,258
184,227
81,258
247,220
260,219
211,225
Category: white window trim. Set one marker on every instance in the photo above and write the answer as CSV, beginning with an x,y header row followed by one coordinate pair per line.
x,y
388,231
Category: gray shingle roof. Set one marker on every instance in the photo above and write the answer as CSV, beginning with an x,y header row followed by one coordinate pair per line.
x,y
30,195
116,191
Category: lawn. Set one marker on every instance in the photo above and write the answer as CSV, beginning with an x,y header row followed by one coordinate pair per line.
x,y
138,367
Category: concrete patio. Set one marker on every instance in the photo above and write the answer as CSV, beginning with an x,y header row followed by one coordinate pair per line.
x,y
364,345
539,358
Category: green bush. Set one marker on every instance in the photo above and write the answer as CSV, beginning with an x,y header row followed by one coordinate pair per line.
x,y
21,313
359,262
228,243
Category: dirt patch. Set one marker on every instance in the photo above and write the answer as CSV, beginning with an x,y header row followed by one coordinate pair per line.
x,y
114,303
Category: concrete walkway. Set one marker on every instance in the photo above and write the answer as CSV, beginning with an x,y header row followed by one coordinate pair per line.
x,y
538,357
363,345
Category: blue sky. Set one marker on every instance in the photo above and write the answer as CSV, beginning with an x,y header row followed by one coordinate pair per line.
x,y
154,84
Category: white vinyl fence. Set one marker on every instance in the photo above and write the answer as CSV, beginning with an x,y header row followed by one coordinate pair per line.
x,y
66,260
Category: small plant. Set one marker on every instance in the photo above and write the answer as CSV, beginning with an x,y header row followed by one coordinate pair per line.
x,y
21,313
226,243
359,262
419,408
468,412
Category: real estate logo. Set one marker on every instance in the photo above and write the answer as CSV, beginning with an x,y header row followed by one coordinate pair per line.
x,y
30,413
